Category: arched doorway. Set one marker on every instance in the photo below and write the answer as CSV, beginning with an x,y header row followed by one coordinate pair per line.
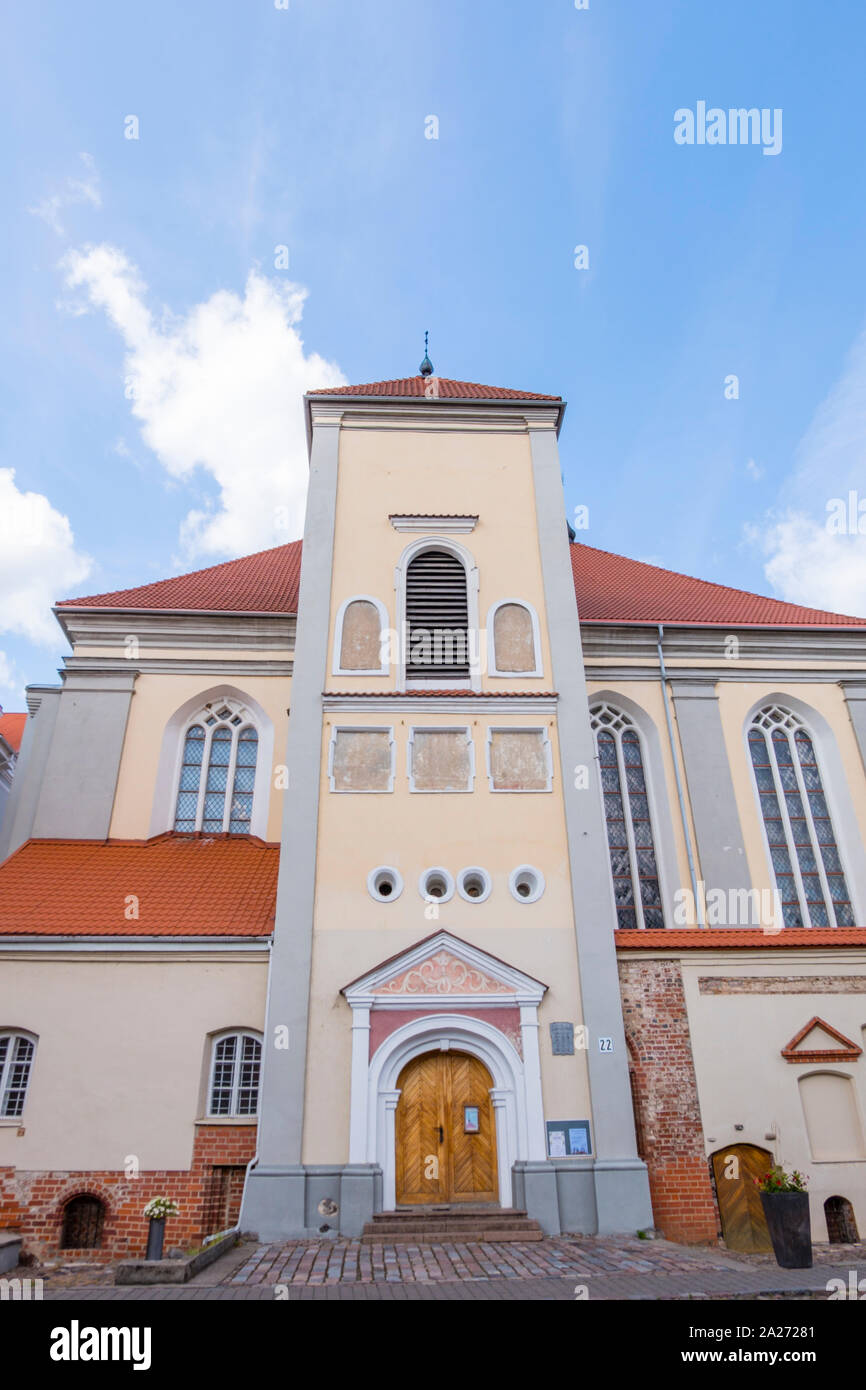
x,y
445,1133
744,1226
841,1222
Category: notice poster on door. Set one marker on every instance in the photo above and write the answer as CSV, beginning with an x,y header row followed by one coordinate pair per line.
x,y
568,1138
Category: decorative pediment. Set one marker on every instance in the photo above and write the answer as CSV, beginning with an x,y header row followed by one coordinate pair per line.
x,y
443,969
818,1041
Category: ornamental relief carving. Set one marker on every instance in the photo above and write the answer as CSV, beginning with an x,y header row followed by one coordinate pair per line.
x,y
444,974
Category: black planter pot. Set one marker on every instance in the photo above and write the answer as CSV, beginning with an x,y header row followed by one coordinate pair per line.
x,y
155,1238
790,1228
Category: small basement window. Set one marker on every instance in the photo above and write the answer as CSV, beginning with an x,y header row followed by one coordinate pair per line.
x,y
83,1221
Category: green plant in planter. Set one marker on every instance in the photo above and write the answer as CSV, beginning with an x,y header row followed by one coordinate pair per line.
x,y
786,1207
158,1208
777,1180
156,1211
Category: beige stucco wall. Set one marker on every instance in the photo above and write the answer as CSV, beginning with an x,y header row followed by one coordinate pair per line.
x,y
121,1053
155,699
743,1079
414,831
383,472
398,471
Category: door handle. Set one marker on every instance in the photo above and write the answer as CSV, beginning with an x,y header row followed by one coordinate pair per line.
x,y
441,1135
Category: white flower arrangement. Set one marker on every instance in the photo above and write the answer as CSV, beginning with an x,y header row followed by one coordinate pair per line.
x,y
158,1208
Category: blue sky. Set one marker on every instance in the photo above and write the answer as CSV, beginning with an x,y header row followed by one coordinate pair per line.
x,y
154,356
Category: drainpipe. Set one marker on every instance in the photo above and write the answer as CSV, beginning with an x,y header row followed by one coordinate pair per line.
x,y
699,906
255,1158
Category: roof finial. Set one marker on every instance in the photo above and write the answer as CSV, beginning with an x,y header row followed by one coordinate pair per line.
x,y
426,367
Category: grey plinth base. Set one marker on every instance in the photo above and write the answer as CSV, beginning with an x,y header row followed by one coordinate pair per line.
x,y
587,1197
10,1249
313,1199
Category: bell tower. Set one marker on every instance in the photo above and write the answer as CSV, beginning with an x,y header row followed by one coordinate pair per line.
x,y
444,887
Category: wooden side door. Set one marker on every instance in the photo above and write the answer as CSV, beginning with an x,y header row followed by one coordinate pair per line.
x,y
744,1225
437,1160
422,1165
473,1156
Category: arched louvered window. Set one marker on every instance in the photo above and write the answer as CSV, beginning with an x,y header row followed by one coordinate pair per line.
x,y
633,863
218,772
804,853
234,1080
437,618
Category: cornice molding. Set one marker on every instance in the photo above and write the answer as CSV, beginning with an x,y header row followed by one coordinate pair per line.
x,y
630,641
100,627
170,666
417,704
419,525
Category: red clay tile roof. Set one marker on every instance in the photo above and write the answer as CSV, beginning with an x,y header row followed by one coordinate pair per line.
x,y
266,582
609,589
186,885
696,939
446,389
12,729
612,589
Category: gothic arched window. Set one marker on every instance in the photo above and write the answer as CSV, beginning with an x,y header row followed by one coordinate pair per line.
x,y
218,771
633,863
803,849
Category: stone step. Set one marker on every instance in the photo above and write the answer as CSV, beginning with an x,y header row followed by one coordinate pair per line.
x,y
463,1235
454,1213
435,1225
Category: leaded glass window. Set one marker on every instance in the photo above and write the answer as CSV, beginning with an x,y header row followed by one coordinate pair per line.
x,y
16,1059
234,1088
633,864
218,772
801,840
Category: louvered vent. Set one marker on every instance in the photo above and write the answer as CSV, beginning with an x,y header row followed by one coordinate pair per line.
x,y
437,614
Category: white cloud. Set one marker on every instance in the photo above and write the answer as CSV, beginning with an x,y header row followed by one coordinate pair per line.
x,y
808,564
218,389
38,562
11,685
754,470
84,190
809,560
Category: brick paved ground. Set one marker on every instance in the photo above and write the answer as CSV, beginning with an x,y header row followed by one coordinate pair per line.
x,y
607,1267
349,1262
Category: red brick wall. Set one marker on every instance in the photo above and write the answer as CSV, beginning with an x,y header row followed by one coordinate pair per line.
x,y
665,1094
33,1202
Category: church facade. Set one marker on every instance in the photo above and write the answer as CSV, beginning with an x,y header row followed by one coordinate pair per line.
x,y
437,861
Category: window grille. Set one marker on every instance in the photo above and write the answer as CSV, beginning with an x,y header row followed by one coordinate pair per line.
x,y
218,772
234,1088
807,865
83,1220
633,864
16,1060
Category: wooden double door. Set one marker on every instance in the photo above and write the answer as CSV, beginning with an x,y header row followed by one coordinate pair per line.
x,y
446,1141
744,1226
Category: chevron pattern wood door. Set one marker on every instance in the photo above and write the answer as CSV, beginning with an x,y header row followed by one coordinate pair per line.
x,y
436,1160
744,1225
